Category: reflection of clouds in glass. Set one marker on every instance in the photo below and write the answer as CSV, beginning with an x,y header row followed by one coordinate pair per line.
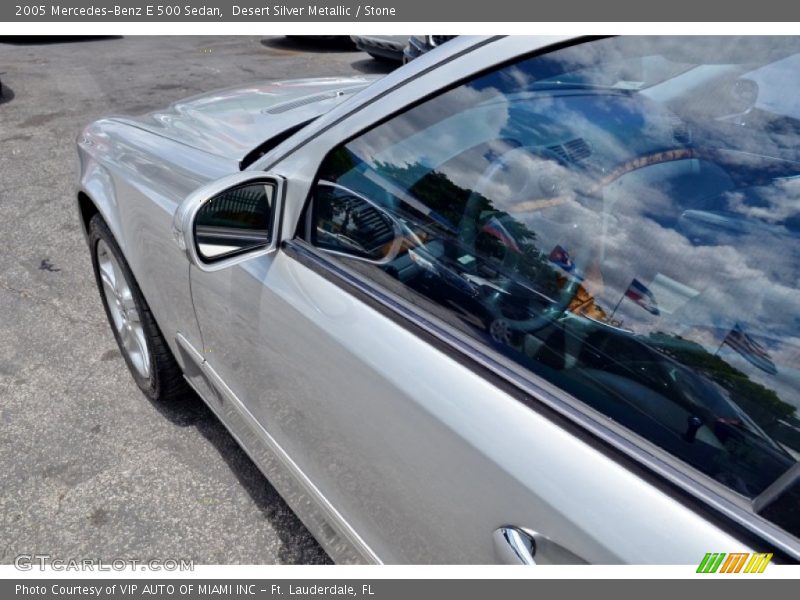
x,y
500,138
439,129
733,285
516,78
772,80
519,176
547,123
736,277
607,120
772,204
736,281
743,278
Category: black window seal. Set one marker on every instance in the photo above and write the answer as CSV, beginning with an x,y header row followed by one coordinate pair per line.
x,y
679,482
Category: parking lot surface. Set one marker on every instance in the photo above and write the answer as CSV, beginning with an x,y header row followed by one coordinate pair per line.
x,y
90,468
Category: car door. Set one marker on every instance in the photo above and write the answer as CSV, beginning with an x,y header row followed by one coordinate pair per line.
x,y
479,333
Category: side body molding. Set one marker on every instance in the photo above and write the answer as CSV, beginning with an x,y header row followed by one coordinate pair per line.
x,y
327,525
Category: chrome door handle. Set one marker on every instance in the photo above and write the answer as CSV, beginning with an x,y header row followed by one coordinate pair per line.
x,y
513,546
518,546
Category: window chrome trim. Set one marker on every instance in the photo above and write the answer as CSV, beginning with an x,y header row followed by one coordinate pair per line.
x,y
543,396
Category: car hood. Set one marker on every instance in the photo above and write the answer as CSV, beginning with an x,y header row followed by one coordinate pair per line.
x,y
233,122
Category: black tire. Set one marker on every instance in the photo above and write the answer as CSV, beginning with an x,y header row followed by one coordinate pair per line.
x,y
165,380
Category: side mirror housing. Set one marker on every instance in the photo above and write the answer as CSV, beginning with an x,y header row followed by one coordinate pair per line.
x,y
229,218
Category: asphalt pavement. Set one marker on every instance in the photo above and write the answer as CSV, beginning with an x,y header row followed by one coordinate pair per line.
x,y
89,468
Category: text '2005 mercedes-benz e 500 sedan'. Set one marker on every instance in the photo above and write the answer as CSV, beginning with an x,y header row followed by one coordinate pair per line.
x,y
523,300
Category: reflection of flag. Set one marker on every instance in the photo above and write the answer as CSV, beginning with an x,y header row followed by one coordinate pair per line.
x,y
672,295
560,257
495,228
750,349
639,293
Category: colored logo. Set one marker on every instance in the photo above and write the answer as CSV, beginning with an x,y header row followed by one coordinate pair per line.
x,y
736,562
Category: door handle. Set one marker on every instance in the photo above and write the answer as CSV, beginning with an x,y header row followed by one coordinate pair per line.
x,y
513,546
518,546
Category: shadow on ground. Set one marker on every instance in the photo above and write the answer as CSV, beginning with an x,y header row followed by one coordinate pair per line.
x,y
33,40
370,66
311,43
6,93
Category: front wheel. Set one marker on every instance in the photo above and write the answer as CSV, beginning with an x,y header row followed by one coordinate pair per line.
x,y
140,341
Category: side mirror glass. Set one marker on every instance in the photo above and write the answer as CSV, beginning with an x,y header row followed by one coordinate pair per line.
x,y
227,218
235,221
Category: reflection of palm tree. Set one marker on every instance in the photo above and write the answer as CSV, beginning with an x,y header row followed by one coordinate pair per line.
x,y
449,200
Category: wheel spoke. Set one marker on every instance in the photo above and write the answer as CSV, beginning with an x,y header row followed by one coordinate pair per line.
x,y
128,304
107,276
128,340
125,317
109,291
135,345
108,282
141,342
119,279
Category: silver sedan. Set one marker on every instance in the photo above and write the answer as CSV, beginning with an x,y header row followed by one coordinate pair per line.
x,y
523,300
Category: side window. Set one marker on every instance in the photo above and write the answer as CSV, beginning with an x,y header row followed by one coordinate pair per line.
x,y
605,217
350,224
235,221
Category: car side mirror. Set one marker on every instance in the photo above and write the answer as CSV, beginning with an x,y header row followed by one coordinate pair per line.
x,y
227,219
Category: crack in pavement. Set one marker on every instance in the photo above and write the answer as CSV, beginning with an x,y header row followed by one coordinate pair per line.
x,y
49,304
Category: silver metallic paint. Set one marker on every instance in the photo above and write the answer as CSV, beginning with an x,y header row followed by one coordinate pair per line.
x,y
424,466
388,448
233,121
